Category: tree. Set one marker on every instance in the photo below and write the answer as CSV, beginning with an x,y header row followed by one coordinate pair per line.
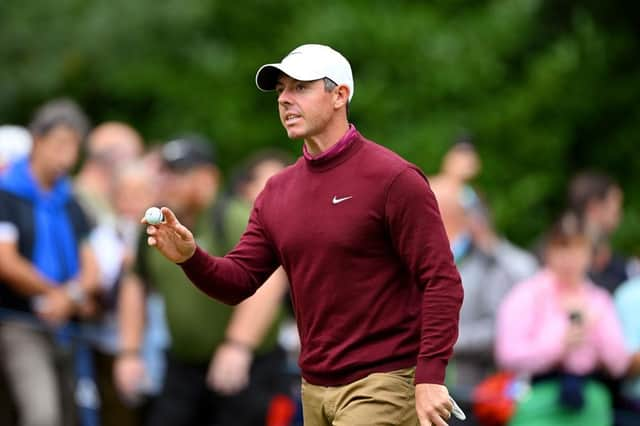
x,y
546,88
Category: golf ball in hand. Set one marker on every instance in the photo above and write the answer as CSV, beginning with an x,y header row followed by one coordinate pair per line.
x,y
153,216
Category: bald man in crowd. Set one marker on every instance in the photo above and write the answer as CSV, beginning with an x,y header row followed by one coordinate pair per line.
x,y
110,144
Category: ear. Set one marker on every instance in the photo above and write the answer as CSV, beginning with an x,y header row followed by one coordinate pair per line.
x,y
341,97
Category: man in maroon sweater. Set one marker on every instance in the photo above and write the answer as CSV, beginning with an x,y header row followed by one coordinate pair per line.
x,y
358,231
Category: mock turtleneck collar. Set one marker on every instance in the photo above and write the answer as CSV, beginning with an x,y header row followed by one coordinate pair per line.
x,y
335,154
336,149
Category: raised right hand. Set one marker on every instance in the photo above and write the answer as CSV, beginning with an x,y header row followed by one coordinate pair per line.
x,y
171,238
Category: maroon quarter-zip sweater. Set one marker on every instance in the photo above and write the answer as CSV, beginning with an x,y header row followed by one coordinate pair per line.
x,y
373,282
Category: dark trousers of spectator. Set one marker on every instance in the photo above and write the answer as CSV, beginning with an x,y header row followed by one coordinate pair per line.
x,y
186,400
114,411
7,410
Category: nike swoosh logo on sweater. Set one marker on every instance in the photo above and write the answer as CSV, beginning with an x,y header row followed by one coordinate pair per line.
x,y
339,200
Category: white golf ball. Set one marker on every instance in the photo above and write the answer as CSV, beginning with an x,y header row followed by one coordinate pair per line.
x,y
153,216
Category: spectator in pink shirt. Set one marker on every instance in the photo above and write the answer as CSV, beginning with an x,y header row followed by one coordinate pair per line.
x,y
562,331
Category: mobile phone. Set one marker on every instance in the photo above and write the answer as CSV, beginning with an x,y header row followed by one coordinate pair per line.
x,y
575,317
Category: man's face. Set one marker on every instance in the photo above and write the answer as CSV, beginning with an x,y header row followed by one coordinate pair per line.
x,y
177,189
190,190
604,214
611,209
571,261
305,107
115,144
133,192
57,151
462,163
261,174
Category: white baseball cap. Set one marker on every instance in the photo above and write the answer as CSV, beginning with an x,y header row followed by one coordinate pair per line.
x,y
307,63
15,142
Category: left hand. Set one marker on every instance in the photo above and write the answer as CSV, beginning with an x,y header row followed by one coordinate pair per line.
x,y
432,404
55,307
229,369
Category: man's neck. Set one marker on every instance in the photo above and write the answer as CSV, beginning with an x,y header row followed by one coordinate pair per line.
x,y
43,180
318,144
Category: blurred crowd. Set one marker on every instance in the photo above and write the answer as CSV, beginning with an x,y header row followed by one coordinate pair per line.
x,y
548,335
97,328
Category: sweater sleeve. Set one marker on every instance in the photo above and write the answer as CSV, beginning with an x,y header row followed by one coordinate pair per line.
x,y
418,236
236,276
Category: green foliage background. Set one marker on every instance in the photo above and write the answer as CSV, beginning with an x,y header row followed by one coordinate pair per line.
x,y
546,87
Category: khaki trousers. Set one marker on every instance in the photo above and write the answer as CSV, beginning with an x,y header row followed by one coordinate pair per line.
x,y
380,399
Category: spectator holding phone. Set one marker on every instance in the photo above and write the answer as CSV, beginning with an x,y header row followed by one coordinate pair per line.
x,y
562,331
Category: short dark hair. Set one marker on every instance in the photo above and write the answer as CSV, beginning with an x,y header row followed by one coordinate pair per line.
x,y
586,187
329,85
188,151
463,142
59,112
566,232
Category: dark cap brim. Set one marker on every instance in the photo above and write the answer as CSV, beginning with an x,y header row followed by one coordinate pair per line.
x,y
267,77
